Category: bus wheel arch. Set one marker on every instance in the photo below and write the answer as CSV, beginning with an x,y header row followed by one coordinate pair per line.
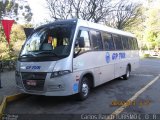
x,y
85,85
90,78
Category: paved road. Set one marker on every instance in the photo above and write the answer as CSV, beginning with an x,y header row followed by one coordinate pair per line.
x,y
101,99
8,84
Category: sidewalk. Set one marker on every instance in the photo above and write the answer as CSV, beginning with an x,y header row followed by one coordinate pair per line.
x,y
8,84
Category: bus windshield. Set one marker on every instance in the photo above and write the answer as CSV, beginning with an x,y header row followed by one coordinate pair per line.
x,y
54,41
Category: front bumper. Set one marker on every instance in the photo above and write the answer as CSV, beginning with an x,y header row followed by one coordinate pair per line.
x,y
58,86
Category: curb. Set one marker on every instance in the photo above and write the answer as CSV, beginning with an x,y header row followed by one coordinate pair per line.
x,y
8,99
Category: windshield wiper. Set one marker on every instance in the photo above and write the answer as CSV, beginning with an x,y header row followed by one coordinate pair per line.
x,y
44,52
28,55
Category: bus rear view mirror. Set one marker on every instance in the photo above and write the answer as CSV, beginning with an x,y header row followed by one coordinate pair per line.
x,y
81,42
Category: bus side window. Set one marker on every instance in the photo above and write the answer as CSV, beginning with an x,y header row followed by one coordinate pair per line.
x,y
96,40
135,43
125,43
118,42
84,34
131,45
108,41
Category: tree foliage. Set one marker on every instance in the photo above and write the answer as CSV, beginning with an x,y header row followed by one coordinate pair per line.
x,y
152,25
15,10
9,51
91,10
6,9
121,14
125,15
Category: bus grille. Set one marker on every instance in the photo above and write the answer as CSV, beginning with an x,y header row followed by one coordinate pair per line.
x,y
38,78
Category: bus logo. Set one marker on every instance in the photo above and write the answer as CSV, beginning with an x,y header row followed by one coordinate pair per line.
x,y
33,67
107,57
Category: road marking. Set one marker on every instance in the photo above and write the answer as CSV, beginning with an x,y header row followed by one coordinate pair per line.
x,y
142,75
8,99
149,66
133,98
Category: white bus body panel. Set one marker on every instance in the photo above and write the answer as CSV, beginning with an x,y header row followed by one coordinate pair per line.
x,y
104,71
96,62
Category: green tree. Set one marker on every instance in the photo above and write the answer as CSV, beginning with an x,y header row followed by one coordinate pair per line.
x,y
91,10
18,11
15,10
125,15
152,25
6,8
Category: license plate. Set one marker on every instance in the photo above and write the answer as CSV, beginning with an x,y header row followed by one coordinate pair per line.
x,y
31,82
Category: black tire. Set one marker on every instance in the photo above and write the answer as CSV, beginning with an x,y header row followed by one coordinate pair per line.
x,y
127,75
84,89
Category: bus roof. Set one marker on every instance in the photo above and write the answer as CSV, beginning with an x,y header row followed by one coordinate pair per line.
x,y
97,26
84,23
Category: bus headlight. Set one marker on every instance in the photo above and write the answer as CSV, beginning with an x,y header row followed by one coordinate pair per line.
x,y
60,73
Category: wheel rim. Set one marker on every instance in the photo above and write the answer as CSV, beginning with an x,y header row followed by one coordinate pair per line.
x,y
128,73
85,89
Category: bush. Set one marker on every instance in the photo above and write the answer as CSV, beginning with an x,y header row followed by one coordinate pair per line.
x,y
10,52
146,55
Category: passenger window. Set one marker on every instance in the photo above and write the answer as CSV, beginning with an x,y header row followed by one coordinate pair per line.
x,y
131,44
96,40
135,43
83,34
118,42
125,43
108,41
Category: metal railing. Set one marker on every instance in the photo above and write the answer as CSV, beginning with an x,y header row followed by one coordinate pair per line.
x,y
7,65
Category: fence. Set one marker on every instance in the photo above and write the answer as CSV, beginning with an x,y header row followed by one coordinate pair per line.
x,y
7,65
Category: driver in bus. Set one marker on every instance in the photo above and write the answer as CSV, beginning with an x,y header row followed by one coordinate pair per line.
x,y
52,41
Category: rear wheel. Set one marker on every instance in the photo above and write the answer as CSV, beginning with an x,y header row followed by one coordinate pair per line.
x,y
127,75
84,89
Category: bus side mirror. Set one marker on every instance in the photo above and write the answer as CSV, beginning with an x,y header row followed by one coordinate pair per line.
x,y
81,42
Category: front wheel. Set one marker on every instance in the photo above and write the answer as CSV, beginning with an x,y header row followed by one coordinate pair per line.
x,y
127,75
84,89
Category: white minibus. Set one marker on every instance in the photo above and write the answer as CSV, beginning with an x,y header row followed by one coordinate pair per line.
x,y
69,57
